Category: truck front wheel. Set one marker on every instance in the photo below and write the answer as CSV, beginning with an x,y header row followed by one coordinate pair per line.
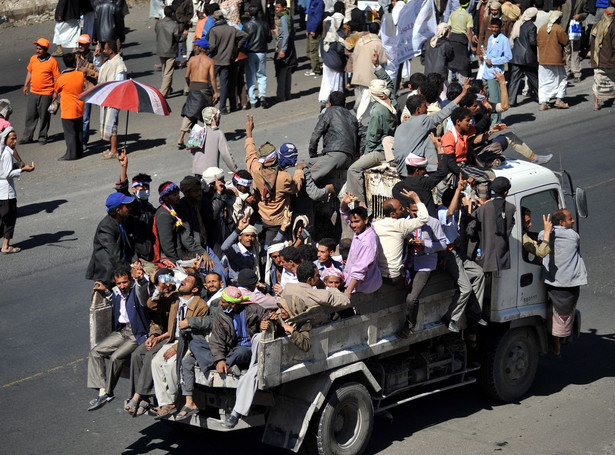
x,y
510,364
344,425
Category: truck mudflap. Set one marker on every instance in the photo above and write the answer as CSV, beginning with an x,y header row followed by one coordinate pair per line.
x,y
297,401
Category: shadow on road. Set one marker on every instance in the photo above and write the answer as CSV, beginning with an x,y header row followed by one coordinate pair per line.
x,y
141,55
519,118
577,99
47,206
235,135
138,74
46,239
10,88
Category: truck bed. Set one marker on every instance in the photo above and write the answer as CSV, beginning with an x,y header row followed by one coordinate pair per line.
x,y
370,333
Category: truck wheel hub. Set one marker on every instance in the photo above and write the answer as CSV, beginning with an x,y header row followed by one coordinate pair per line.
x,y
516,363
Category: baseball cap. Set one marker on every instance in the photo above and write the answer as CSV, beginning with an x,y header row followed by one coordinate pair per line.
x,y
116,199
84,39
202,43
42,42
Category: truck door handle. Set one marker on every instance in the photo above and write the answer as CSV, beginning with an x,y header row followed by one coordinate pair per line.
x,y
526,279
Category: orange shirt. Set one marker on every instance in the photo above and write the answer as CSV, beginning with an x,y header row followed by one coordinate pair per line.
x,y
456,144
69,86
198,31
43,75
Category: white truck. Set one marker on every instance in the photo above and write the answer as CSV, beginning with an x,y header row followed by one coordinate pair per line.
x,y
324,401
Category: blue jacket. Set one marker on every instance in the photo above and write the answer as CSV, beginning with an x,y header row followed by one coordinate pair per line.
x,y
315,16
138,313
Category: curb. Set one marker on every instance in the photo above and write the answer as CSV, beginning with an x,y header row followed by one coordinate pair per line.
x,y
37,8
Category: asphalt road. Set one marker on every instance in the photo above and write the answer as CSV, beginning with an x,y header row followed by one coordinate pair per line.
x,y
44,298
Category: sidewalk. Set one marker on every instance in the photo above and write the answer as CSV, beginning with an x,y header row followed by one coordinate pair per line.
x,y
32,10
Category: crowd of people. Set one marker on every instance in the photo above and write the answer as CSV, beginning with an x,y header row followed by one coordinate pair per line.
x,y
196,278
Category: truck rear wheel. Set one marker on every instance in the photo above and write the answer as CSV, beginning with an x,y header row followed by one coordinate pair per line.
x,y
510,364
344,425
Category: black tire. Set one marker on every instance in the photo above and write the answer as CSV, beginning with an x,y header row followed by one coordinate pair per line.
x,y
510,364
344,424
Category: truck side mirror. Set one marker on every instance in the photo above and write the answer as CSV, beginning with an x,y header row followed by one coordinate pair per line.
x,y
581,202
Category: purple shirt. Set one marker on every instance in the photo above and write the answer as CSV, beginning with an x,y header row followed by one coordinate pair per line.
x,y
362,262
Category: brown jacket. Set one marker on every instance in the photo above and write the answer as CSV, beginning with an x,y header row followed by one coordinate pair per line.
x,y
197,308
88,69
551,45
159,310
272,213
606,57
362,67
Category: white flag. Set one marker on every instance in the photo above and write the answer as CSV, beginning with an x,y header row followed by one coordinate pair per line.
x,y
417,23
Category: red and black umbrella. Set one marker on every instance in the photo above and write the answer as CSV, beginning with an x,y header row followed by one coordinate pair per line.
x,y
128,95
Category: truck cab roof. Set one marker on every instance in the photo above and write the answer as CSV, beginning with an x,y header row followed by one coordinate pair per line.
x,y
524,175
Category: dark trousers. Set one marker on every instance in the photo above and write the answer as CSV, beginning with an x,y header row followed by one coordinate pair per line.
x,y
87,112
37,109
418,284
199,353
283,75
141,380
73,136
516,75
240,82
227,86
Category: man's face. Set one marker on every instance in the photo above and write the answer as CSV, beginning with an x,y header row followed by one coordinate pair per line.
x,y
323,254
84,48
41,51
247,239
173,198
186,286
423,109
413,210
314,279
568,222
289,266
136,189
107,51
194,194
465,124
123,211
399,211
495,29
357,224
123,283
474,108
279,8
277,259
212,283
495,13
333,282
11,140
527,222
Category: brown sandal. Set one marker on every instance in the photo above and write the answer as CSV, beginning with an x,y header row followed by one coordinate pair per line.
x,y
165,411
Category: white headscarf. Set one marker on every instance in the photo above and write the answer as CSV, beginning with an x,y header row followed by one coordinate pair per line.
x,y
332,36
554,16
272,249
5,133
379,93
441,31
528,15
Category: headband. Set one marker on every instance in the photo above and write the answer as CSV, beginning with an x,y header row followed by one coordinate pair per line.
x,y
239,181
271,156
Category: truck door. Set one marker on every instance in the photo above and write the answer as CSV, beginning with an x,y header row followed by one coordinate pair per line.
x,y
533,205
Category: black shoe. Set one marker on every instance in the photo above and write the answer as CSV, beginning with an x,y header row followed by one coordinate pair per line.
x,y
231,421
264,103
224,111
181,145
100,401
42,141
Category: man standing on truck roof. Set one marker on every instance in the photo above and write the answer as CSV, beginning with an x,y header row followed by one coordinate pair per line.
x,y
565,273
492,224
131,323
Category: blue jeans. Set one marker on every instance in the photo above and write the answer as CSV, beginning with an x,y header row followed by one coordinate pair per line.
x,y
256,67
87,110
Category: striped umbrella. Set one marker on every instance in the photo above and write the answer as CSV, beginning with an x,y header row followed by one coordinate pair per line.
x,y
128,95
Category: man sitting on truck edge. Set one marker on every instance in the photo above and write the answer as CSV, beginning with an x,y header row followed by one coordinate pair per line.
x,y
187,306
422,257
393,230
232,331
299,333
468,275
131,322
361,270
